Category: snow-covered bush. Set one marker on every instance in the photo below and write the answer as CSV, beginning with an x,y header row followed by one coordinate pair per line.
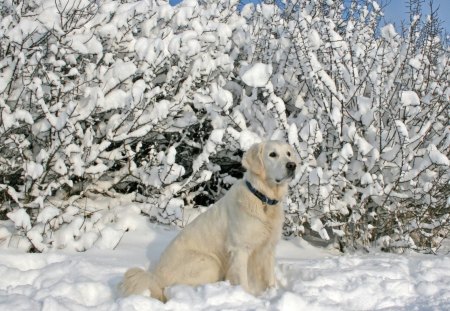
x,y
113,109
104,98
368,113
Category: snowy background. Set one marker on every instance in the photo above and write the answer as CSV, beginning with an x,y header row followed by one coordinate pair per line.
x,y
116,114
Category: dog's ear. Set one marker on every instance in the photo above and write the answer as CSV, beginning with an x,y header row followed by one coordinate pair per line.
x,y
252,159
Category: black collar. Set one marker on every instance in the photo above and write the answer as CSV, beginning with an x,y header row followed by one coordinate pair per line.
x,y
259,195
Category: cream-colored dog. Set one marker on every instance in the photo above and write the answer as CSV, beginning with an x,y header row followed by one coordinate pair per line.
x,y
235,239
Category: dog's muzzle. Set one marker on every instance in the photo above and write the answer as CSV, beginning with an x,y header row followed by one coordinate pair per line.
x,y
291,166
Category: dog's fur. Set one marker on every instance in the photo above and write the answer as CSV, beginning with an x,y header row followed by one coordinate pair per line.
x,y
235,239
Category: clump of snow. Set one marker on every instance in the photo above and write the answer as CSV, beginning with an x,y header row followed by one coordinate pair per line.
x,y
347,152
416,63
366,179
247,139
20,218
317,225
409,98
33,169
311,132
314,39
437,157
388,32
47,214
403,131
293,135
257,75
375,5
364,147
222,97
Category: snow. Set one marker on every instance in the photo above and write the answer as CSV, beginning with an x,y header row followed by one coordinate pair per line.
x,y
363,146
247,139
388,32
402,130
96,169
311,131
20,218
257,75
437,157
47,214
309,278
172,152
60,167
415,63
293,135
347,152
409,98
376,6
314,39
222,97
114,100
366,179
317,225
315,176
34,170
217,136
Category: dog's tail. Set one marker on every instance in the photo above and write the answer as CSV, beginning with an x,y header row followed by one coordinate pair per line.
x,y
139,282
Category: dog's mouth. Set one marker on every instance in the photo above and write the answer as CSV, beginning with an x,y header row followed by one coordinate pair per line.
x,y
289,176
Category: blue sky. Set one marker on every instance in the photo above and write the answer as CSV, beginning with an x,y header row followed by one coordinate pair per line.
x,y
396,11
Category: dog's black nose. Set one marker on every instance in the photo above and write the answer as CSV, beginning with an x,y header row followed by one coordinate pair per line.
x,y
291,166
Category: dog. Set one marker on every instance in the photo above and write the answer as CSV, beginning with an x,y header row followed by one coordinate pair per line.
x,y
235,239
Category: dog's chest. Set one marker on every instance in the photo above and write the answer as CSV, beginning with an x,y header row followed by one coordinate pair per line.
x,y
269,220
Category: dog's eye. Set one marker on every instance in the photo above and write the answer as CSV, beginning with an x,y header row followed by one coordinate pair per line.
x,y
288,154
272,155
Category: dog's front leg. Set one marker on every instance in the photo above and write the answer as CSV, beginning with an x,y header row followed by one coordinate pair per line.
x,y
269,269
237,271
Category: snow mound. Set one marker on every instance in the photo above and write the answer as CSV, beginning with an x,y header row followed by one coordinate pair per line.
x,y
309,278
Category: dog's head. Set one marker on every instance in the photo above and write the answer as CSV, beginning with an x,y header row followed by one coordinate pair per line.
x,y
271,161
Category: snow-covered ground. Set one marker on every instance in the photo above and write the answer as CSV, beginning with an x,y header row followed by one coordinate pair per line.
x,y
310,278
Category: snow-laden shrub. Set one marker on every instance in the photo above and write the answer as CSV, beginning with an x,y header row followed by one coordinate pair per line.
x,y
102,98
368,113
113,109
